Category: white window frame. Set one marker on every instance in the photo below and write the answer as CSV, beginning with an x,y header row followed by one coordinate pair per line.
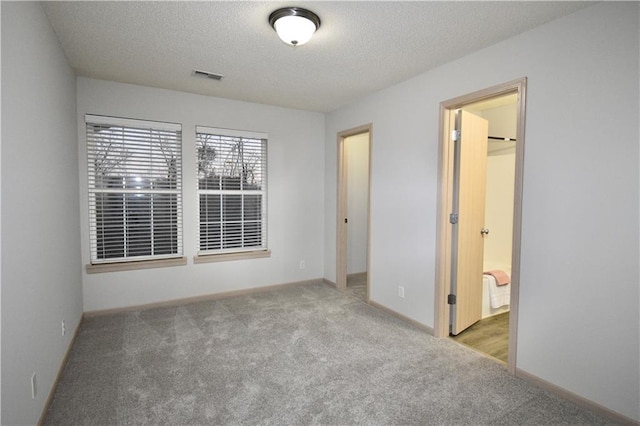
x,y
243,252
136,162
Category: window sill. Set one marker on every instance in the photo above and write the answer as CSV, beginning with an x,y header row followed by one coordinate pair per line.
x,y
130,266
209,258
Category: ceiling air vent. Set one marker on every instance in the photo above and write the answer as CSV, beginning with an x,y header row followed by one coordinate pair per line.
x,y
205,74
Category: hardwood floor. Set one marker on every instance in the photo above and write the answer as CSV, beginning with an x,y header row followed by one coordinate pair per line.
x,y
489,336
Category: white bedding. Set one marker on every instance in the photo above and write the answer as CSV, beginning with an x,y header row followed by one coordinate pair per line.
x,y
498,295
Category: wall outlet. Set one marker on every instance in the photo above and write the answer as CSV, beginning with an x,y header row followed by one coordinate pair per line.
x,y
64,329
401,291
303,264
33,386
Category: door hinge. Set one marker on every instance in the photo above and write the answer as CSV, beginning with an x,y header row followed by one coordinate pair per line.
x,y
455,135
453,218
451,299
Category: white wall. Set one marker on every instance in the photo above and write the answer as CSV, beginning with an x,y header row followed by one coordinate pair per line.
x,y
295,194
41,281
579,300
357,153
501,161
582,95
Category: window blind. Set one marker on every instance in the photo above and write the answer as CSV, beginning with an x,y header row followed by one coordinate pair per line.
x,y
135,189
232,190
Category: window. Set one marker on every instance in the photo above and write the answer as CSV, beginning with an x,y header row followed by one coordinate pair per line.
x,y
135,189
232,190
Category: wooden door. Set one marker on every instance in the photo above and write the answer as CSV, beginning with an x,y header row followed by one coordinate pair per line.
x,y
471,158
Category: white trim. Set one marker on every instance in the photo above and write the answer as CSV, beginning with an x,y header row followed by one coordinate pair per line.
x,y
233,191
129,122
580,401
136,259
143,162
257,142
341,205
135,264
231,133
229,256
404,318
443,233
202,298
61,367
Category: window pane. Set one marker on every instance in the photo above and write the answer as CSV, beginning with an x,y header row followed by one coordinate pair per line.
x,y
209,182
210,236
231,171
252,234
109,225
138,224
231,208
135,189
165,232
252,207
210,208
232,235
230,183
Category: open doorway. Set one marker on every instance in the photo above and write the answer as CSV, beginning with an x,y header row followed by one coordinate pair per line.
x,y
488,330
469,144
354,147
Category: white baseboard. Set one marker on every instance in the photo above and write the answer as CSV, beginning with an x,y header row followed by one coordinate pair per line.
x,y
580,401
357,276
398,315
52,391
213,296
329,282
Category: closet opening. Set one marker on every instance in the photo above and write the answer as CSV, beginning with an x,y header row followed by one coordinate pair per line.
x,y
354,160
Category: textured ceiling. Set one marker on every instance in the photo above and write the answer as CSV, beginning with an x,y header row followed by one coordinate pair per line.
x,y
361,47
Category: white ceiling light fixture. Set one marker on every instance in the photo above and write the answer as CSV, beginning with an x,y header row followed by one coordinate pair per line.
x,y
294,25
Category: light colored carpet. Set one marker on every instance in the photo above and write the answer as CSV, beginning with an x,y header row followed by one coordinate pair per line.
x,y
296,356
357,286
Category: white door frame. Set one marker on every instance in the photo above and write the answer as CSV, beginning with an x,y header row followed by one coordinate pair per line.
x,y
445,194
341,228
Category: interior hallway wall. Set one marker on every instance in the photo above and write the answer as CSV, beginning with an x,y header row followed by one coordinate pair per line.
x,y
582,88
41,282
357,152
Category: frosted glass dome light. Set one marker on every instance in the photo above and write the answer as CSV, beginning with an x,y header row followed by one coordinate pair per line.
x,y
294,25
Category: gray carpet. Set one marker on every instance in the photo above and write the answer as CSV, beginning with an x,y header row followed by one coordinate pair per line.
x,y
296,356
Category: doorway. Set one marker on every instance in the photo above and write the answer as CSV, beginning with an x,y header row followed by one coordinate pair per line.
x,y
352,230
488,330
459,268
